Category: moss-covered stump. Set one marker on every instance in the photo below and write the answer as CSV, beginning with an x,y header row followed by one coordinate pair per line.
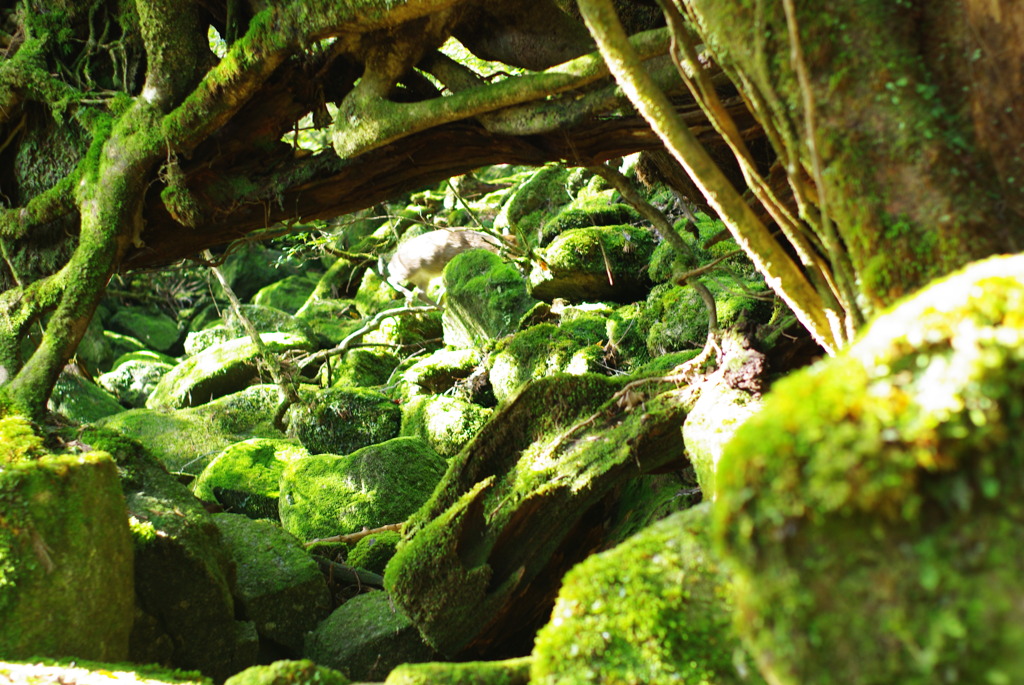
x,y
536,492
219,370
508,672
185,614
656,609
153,328
325,494
65,558
545,350
373,552
279,586
287,294
598,263
73,671
714,419
365,638
288,673
342,420
185,441
873,509
133,379
80,399
245,477
484,299
447,423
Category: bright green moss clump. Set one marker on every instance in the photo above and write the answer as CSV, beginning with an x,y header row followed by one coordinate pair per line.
x,y
288,673
873,508
244,478
341,420
656,609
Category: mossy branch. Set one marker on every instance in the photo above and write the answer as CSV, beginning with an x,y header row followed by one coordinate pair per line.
x,y
365,120
781,274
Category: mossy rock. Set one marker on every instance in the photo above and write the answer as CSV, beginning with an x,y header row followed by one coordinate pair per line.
x,y
143,356
279,586
330,320
219,370
266,319
121,345
446,423
365,638
18,440
535,199
439,372
81,400
39,671
680,320
244,478
656,609
250,268
95,350
541,351
508,672
288,673
153,328
375,295
326,494
342,420
362,367
711,423
373,552
65,554
601,263
585,214
133,380
197,341
407,330
187,439
484,299
185,615
287,294
880,493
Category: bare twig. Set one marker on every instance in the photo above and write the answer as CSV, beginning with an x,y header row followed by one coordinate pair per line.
x,y
349,538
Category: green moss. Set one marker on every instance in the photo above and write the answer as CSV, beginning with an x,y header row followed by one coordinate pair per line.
x,y
18,440
878,493
245,477
545,350
324,495
76,670
302,672
508,672
484,299
342,420
447,423
656,609
287,294
439,372
373,552
364,367
585,214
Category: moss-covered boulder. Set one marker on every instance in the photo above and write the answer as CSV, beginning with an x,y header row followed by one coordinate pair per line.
x,y
711,423
266,320
185,441
279,586
656,609
415,329
156,330
375,295
508,672
546,350
361,367
365,638
330,320
288,673
484,299
446,423
134,377
185,614
215,334
287,294
586,212
439,372
95,350
598,263
544,485
341,420
872,510
535,199
373,552
65,556
219,370
324,495
245,477
80,399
